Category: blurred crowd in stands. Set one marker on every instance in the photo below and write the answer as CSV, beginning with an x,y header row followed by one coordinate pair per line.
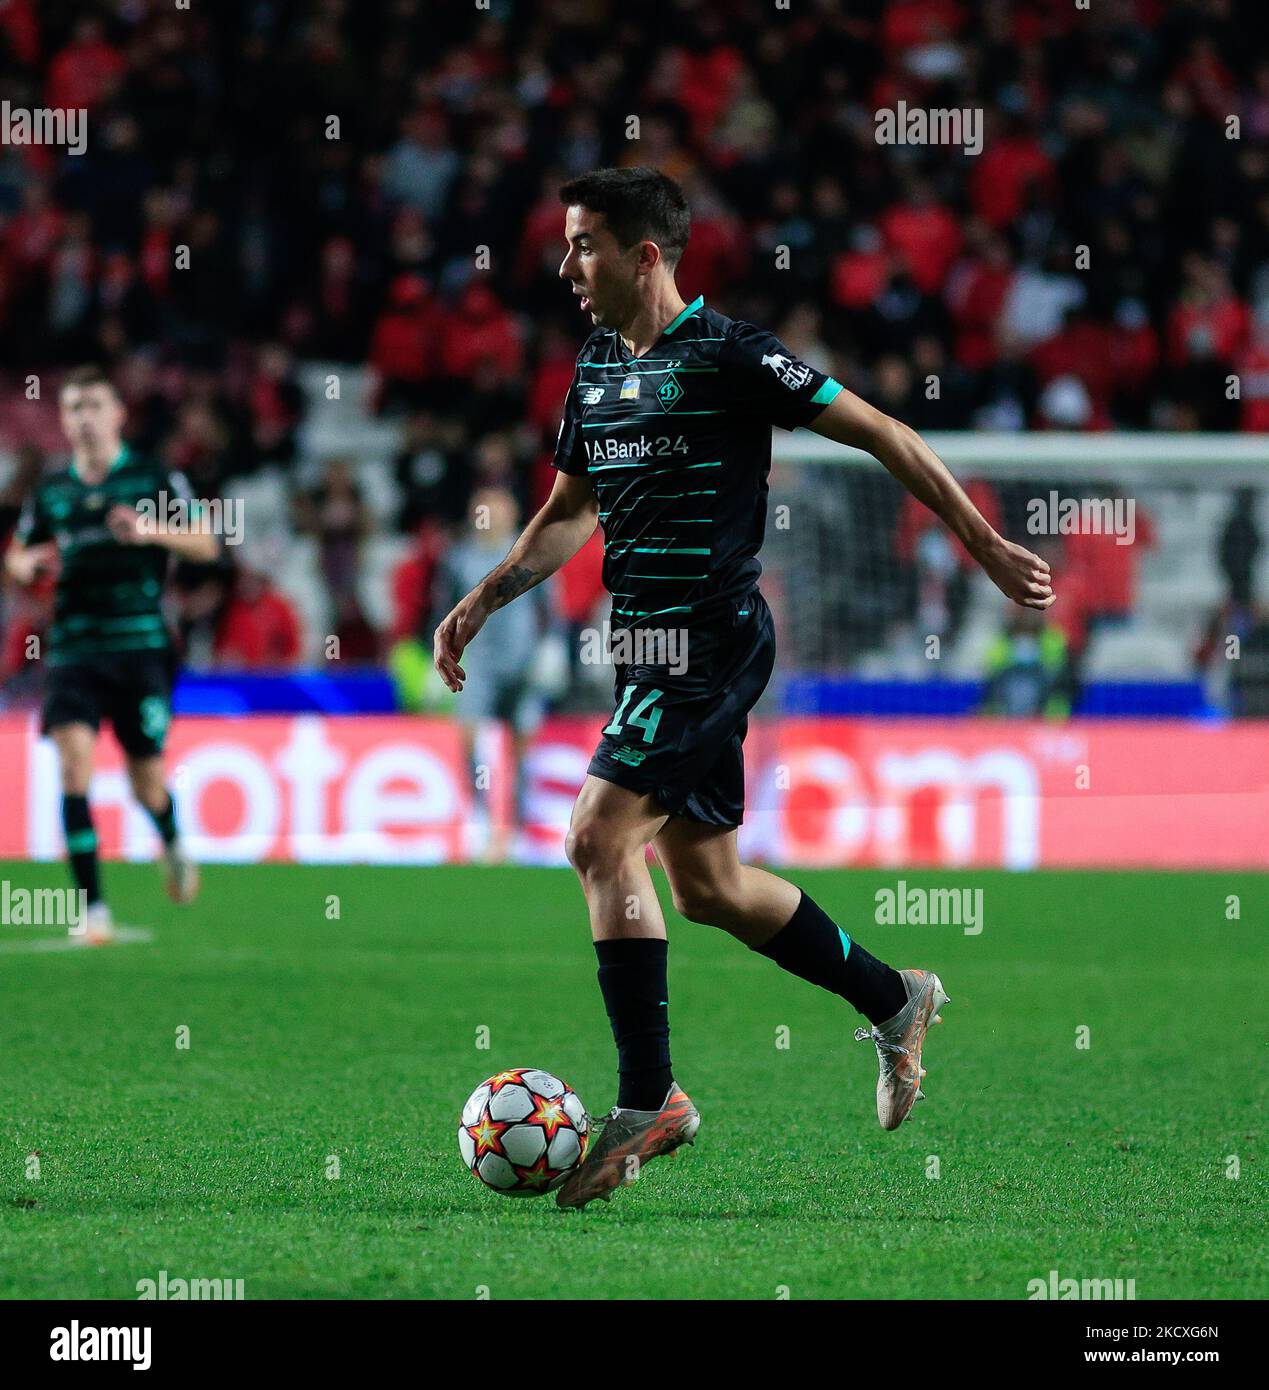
x,y
374,181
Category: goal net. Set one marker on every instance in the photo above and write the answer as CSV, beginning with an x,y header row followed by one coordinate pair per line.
x,y
1157,545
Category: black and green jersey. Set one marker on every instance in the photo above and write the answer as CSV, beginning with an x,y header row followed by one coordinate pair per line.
x,y
108,594
677,444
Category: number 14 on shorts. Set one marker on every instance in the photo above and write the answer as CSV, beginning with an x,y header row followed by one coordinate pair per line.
x,y
644,716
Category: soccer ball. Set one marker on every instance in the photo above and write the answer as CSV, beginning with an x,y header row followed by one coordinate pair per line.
x,y
523,1132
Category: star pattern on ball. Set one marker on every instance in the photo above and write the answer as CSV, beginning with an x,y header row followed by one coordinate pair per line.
x,y
487,1135
504,1078
539,1176
550,1115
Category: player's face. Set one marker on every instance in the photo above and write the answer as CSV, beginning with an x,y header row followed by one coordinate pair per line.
x,y
92,419
601,273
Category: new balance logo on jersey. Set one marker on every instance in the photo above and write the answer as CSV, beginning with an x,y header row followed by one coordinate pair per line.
x,y
630,756
592,395
791,374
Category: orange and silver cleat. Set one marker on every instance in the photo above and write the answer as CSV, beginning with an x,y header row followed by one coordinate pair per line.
x,y
629,1138
899,1041
180,874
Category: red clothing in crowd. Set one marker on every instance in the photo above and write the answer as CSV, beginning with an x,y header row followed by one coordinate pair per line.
x,y
549,386
13,654
927,239
1074,587
22,30
1109,568
915,520
155,259
271,409
915,23
482,329
858,277
1201,330
709,81
581,581
543,227
1082,349
34,234
30,612
1001,174
412,582
976,295
404,346
260,633
1134,354
715,256
1039,20
1253,372
82,73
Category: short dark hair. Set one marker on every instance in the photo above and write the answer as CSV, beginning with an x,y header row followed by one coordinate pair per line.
x,y
640,204
90,375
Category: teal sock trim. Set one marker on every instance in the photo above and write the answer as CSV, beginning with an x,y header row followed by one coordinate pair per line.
x,y
845,943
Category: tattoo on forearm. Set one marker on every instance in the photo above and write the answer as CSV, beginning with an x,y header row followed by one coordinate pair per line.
x,y
514,582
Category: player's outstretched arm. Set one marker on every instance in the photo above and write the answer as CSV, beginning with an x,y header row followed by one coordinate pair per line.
x,y
196,542
565,523
1015,571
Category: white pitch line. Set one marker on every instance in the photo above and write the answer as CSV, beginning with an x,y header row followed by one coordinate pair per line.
x,y
124,936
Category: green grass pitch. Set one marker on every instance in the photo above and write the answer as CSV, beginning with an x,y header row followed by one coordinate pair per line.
x,y
357,1037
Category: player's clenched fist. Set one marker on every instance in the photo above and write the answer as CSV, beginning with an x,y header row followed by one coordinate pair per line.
x,y
1019,574
26,564
126,527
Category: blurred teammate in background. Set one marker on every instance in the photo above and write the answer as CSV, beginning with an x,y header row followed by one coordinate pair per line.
x,y
109,652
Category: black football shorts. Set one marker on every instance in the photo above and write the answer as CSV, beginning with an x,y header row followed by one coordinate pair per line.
x,y
678,734
133,690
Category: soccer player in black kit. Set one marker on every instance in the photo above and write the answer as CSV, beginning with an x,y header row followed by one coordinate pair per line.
x,y
109,652
666,442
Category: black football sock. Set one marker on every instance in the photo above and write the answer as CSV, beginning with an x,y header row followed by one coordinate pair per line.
x,y
165,822
814,947
81,846
632,979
